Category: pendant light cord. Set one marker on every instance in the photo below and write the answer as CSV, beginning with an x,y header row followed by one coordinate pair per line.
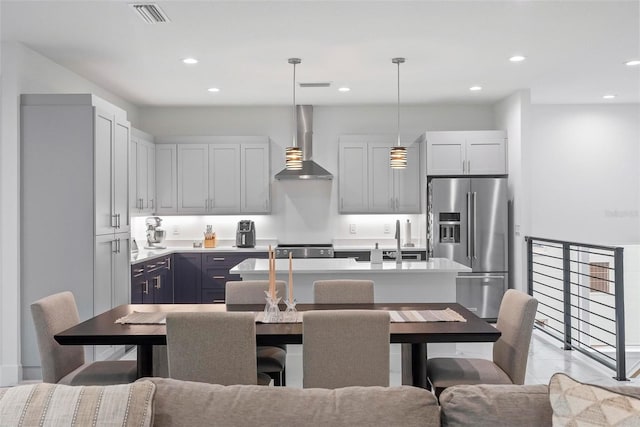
x,y
398,103
295,118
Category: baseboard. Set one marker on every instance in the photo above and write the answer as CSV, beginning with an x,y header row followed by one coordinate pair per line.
x,y
10,375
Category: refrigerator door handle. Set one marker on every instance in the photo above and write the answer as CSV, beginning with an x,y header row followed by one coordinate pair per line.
x,y
475,228
469,225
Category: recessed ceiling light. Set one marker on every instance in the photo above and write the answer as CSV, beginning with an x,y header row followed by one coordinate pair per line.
x,y
190,61
633,62
609,96
213,89
344,89
475,88
517,58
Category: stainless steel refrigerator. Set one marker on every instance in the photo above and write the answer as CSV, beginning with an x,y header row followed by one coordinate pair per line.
x,y
468,223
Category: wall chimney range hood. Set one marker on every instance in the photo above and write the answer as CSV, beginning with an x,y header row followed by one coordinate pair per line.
x,y
310,169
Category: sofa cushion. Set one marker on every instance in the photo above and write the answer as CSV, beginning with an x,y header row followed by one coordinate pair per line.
x,y
575,403
496,405
184,403
60,405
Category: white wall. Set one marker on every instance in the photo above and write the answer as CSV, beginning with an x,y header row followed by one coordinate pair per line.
x,y
585,174
307,211
512,115
24,71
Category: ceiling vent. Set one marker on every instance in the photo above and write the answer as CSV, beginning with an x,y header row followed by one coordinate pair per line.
x,y
150,13
316,84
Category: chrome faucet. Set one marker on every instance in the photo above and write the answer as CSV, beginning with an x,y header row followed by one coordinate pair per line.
x,y
398,250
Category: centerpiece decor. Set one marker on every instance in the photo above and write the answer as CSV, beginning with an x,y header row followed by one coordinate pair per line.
x,y
271,309
291,314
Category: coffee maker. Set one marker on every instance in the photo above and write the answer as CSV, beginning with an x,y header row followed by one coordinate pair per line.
x,y
155,234
246,234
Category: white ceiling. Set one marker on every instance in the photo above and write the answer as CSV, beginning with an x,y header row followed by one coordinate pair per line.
x,y
575,50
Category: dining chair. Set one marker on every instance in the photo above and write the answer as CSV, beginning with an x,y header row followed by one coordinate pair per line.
x,y
271,359
344,348
214,347
510,352
343,291
65,364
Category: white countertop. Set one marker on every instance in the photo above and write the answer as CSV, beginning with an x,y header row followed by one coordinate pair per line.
x,y
346,265
146,254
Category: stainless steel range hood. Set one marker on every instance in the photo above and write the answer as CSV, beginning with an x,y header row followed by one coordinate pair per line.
x,y
310,169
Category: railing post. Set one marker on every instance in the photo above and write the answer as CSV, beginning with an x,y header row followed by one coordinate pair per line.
x,y
621,363
566,294
529,265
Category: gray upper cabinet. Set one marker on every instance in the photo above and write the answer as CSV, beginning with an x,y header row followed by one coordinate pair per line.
x,y
142,173
466,153
215,175
166,179
367,184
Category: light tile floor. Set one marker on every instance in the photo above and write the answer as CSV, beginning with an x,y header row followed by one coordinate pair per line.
x,y
546,357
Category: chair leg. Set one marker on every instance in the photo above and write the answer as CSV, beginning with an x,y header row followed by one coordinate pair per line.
x,y
283,376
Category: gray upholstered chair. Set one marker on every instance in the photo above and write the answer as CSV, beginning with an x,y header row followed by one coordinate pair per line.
x,y
214,347
343,291
271,359
344,348
65,364
510,352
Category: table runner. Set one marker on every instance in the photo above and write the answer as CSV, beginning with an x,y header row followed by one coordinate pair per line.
x,y
399,316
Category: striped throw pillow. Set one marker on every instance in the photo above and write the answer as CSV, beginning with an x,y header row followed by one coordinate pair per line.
x,y
62,405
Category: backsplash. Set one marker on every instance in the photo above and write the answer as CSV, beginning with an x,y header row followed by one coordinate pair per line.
x,y
269,227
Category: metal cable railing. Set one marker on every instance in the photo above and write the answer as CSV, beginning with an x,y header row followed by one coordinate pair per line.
x,y
579,288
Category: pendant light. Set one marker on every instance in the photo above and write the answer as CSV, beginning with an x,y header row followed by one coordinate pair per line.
x,y
294,153
398,155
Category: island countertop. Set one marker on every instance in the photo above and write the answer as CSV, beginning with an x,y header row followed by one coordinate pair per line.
x,y
349,265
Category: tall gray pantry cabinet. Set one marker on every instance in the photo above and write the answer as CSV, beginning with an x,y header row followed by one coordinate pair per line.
x,y
74,208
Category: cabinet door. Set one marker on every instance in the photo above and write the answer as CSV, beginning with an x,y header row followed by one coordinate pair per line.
x,y
187,278
166,179
486,156
224,178
255,178
143,175
151,177
381,196
120,176
134,202
139,283
445,153
105,221
352,184
121,260
407,183
103,298
193,178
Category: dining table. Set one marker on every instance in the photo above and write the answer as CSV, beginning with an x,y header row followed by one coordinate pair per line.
x,y
413,335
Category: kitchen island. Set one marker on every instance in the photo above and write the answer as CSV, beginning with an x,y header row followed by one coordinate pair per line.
x,y
410,281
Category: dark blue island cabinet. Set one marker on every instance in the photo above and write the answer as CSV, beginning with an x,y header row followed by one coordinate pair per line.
x,y
215,272
152,281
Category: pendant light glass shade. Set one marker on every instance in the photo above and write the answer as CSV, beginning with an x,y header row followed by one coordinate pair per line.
x,y
398,154
293,154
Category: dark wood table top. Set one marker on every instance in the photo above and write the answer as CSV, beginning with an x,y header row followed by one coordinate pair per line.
x,y
102,329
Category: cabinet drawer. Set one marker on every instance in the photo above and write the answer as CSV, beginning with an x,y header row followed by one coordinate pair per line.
x,y
210,296
214,278
221,259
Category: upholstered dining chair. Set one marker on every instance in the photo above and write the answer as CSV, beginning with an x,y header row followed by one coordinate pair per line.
x,y
214,347
65,364
271,359
343,291
510,352
344,348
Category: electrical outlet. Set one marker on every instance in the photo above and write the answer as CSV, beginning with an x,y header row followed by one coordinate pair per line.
x,y
176,230
387,228
352,228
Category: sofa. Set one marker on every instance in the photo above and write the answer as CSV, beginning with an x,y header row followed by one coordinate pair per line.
x,y
167,402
